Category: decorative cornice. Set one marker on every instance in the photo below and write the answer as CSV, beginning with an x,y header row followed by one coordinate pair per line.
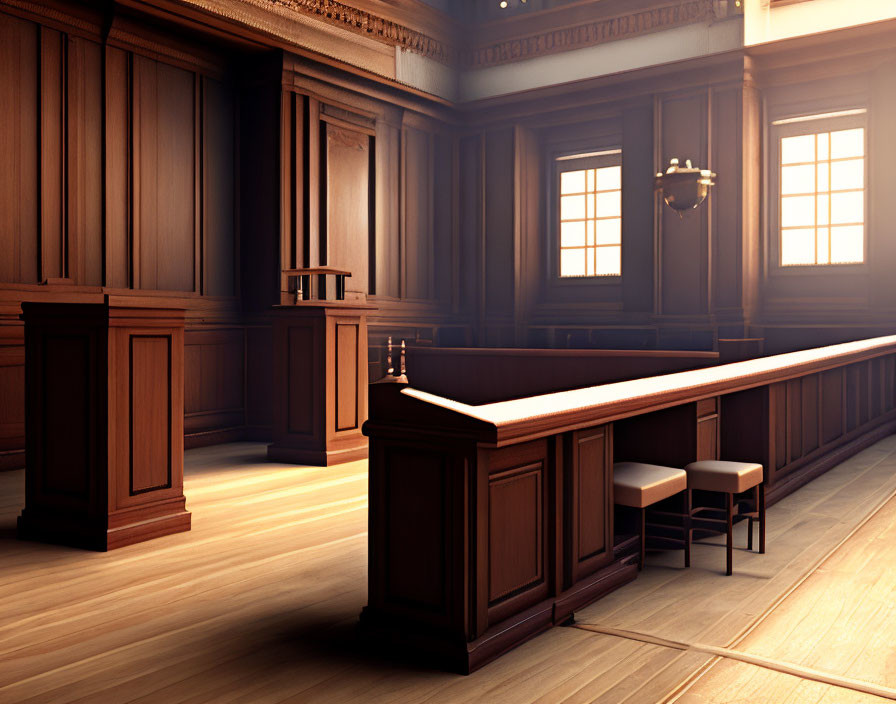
x,y
588,34
370,25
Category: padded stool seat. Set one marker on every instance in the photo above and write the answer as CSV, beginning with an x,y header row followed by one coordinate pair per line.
x,y
731,479
718,475
640,485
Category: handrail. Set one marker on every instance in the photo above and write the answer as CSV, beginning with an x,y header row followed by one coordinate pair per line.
x,y
302,291
543,415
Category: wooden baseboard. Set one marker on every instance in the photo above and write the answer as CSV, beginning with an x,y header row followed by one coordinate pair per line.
x,y
214,437
316,458
829,460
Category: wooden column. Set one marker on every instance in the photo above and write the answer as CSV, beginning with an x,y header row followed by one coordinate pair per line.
x,y
320,382
104,424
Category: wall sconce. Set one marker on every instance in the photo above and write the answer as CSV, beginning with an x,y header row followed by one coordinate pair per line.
x,y
684,188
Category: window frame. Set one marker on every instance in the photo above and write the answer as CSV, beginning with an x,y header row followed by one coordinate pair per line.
x,y
600,157
808,123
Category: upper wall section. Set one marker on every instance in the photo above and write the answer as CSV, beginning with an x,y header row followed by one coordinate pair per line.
x,y
773,20
434,48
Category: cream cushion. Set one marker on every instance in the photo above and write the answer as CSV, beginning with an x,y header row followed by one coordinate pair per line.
x,y
640,485
717,475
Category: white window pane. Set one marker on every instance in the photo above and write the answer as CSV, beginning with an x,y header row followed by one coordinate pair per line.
x,y
572,182
847,208
590,231
798,179
589,206
572,234
847,174
823,175
797,149
589,262
846,143
590,182
822,255
609,178
824,203
609,204
797,247
847,244
572,208
609,231
609,261
797,211
823,144
572,262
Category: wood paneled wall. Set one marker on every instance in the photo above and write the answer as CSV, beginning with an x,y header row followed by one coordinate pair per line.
x,y
119,175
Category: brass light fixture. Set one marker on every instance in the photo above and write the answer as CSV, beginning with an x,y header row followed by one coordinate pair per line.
x,y
684,188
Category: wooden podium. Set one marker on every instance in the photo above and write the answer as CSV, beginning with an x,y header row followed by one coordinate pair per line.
x,y
104,423
320,389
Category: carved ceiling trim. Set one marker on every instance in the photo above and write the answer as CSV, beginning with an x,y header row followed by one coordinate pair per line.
x,y
550,41
588,34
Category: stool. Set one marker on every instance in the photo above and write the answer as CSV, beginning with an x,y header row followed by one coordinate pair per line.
x,y
730,479
641,485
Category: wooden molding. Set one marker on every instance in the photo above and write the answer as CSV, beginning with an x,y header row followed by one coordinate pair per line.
x,y
584,34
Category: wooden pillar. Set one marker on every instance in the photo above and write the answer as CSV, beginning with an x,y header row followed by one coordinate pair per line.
x,y
104,423
320,382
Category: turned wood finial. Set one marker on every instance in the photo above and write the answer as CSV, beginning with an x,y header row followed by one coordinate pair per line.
x,y
403,349
390,370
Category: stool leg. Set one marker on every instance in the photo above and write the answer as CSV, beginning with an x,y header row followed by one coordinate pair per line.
x,y
749,533
687,528
729,510
762,518
643,538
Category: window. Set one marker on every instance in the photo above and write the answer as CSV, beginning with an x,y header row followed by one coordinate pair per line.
x,y
590,214
821,194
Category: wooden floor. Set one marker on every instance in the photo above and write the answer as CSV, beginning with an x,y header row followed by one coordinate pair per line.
x,y
260,601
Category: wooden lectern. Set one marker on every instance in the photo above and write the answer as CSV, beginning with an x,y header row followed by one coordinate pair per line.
x,y
103,424
320,372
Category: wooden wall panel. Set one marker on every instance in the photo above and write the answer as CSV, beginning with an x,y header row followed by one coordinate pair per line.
x,y
418,204
347,401
417,487
727,257
590,482
165,159
516,529
53,233
498,199
117,177
684,239
150,405
214,380
387,177
84,125
347,203
219,204
19,139
832,406
12,410
444,232
638,246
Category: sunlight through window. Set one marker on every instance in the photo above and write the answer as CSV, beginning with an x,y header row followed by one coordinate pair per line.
x,y
591,222
822,198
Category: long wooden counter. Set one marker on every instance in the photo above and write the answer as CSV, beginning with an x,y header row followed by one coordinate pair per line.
x,y
491,523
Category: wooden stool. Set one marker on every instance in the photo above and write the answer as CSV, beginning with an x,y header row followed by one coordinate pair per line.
x,y
641,485
731,478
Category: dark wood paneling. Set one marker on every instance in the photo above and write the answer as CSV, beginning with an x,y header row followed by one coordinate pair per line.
x,y
684,238
387,177
347,203
516,529
84,110
418,180
12,410
638,246
498,197
347,401
164,114
832,409
150,404
214,371
19,139
117,177
590,499
300,379
219,202
415,564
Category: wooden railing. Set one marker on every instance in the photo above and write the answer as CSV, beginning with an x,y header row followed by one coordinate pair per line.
x,y
490,523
